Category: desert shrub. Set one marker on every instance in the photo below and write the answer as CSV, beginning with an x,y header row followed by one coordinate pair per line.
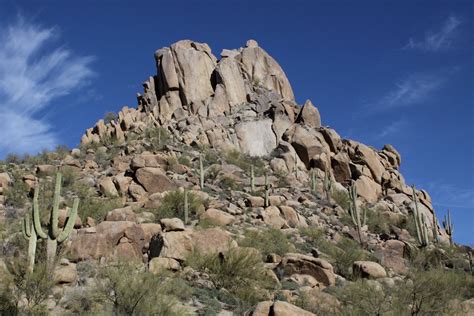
x,y
172,205
315,238
341,198
431,292
16,195
157,137
32,288
91,205
110,117
341,255
364,297
209,157
13,158
239,271
127,291
320,304
244,162
377,221
208,297
268,240
185,160
348,251
228,183
424,292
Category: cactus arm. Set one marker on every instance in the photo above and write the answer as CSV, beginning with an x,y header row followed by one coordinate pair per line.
x,y
36,217
32,249
55,212
70,222
25,228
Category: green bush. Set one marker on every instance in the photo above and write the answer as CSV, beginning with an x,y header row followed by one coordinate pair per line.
x,y
172,205
341,198
348,251
126,291
364,298
31,288
228,183
16,194
157,137
377,221
90,204
244,162
268,240
430,292
240,272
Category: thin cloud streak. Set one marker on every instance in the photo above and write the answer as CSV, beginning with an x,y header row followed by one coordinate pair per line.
x,y
441,40
32,76
415,89
392,129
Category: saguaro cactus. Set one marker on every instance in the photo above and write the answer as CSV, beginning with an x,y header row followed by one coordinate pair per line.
x,y
448,226
29,233
267,188
327,184
201,172
313,181
186,207
252,178
355,212
420,222
54,235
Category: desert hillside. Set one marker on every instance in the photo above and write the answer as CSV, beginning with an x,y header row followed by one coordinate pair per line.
x,y
218,194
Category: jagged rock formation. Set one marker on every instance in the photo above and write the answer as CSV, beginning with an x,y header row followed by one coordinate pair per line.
x,y
245,102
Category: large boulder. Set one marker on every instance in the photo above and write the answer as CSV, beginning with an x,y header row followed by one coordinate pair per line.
x,y
252,144
369,157
263,70
154,180
4,180
217,217
309,115
230,75
188,65
320,269
278,308
368,269
392,255
368,189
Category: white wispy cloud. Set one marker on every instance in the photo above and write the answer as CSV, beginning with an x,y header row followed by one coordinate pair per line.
x,y
447,195
437,41
391,129
33,75
413,90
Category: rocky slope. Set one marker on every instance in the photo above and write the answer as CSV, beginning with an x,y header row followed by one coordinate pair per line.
x,y
215,127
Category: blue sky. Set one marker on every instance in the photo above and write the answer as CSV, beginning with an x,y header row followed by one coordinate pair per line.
x,y
398,72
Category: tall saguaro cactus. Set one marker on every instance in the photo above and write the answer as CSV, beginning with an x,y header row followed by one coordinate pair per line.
x,y
29,233
358,219
313,181
201,172
420,222
54,235
327,184
448,226
267,188
252,178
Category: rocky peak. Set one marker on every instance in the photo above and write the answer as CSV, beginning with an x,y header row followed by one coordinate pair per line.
x,y
244,101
